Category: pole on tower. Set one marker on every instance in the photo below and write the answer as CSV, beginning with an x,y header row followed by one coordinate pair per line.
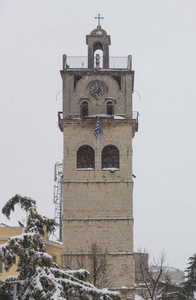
x,y
58,198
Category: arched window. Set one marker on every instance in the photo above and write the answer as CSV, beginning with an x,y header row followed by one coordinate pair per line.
x,y
85,157
84,109
98,55
110,108
110,157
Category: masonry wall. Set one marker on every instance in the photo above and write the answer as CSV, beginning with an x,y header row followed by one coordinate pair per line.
x,y
97,193
113,236
119,269
121,98
98,204
98,199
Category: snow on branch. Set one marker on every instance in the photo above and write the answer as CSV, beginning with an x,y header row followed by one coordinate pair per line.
x,y
25,203
38,276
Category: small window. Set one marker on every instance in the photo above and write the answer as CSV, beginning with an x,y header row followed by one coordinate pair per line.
x,y
110,157
84,109
85,157
110,109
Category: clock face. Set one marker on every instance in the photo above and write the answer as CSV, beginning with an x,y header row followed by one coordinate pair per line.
x,y
96,89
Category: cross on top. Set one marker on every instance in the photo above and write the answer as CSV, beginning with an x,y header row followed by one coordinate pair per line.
x,y
99,26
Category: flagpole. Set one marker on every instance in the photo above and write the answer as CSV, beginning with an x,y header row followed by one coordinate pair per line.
x,y
98,149
97,133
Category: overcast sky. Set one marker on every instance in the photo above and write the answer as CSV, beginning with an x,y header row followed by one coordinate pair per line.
x,y
161,37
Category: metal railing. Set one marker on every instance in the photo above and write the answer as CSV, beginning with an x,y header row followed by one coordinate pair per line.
x,y
81,62
135,116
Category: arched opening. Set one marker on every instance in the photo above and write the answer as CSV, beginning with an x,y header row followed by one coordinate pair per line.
x,y
110,157
98,55
85,157
98,40
84,109
110,108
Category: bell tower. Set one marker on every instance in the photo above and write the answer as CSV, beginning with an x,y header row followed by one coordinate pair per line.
x,y
98,125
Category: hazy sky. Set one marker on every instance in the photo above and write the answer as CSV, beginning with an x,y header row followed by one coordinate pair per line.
x,y
161,37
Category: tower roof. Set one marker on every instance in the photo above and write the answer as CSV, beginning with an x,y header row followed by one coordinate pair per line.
x,y
98,32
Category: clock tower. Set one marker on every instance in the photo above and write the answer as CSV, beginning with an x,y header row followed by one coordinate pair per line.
x,y
98,125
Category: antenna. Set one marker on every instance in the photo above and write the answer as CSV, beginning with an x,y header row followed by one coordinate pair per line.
x,y
58,197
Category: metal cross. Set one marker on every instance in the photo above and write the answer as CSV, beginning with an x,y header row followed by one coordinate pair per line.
x,y
99,26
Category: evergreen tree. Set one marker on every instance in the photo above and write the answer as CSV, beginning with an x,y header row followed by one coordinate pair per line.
x,y
190,283
5,291
39,277
171,291
186,290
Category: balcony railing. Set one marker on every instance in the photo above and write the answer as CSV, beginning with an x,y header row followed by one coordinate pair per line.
x,y
135,116
81,62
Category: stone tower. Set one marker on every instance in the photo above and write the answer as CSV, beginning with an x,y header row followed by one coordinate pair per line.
x,y
97,171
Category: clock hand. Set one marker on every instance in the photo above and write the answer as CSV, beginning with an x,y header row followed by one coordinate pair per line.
x,y
95,90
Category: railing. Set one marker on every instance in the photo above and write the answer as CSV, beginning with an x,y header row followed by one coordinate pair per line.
x,y
135,116
81,62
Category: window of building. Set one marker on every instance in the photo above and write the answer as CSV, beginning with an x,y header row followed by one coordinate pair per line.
x,y
84,109
110,108
110,157
86,157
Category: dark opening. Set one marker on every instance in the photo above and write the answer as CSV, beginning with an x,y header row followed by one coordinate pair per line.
x,y
97,46
110,109
85,157
84,109
118,80
76,79
110,157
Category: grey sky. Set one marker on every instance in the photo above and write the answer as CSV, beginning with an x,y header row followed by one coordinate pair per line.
x,y
161,37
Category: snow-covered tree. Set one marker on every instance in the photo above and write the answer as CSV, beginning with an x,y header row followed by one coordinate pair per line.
x,y
190,283
39,278
4,295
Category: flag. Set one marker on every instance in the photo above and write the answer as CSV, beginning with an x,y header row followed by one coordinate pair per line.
x,y
98,130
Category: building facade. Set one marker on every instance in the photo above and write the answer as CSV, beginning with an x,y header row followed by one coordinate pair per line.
x,y
97,168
